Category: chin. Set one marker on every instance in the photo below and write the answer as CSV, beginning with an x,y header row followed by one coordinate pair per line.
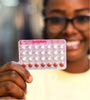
x,y
75,55
76,50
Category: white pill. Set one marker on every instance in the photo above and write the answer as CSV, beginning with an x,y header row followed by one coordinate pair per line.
x,y
43,58
36,58
36,47
42,46
56,58
36,52
62,46
55,46
30,52
49,58
55,52
30,47
49,52
23,46
43,52
49,46
24,59
24,53
62,58
30,58
62,52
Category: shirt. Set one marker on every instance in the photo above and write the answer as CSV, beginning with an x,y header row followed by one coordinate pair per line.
x,y
58,85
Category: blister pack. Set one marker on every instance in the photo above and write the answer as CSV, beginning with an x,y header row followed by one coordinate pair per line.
x,y
42,54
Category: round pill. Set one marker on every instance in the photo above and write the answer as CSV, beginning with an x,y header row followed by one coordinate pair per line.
x,y
56,58
49,52
43,64
43,58
36,65
49,64
24,65
56,52
42,46
36,52
24,53
30,47
30,58
30,52
55,46
36,47
23,46
24,58
49,58
30,65
42,52
61,64
55,64
62,58
62,46
48,46
36,58
62,52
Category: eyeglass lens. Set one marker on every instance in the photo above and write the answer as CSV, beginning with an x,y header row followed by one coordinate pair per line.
x,y
57,24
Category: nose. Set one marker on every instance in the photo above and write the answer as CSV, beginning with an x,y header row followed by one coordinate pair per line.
x,y
70,30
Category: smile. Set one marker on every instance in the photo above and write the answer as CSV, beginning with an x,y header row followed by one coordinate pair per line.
x,y
73,44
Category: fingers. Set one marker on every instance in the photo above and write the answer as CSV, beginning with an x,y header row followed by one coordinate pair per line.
x,y
19,69
14,77
11,89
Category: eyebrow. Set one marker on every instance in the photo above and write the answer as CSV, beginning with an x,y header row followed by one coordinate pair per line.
x,y
79,10
63,11
57,11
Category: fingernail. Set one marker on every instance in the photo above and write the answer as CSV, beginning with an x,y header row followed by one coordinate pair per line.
x,y
25,92
24,98
13,62
30,79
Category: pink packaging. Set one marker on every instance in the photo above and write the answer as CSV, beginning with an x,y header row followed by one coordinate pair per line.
x,y
43,54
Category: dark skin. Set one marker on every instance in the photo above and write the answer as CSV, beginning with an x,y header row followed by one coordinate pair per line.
x,y
13,77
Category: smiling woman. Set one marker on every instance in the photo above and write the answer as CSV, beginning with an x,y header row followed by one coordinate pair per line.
x,y
63,20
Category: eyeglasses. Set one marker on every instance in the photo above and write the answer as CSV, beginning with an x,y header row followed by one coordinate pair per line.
x,y
57,24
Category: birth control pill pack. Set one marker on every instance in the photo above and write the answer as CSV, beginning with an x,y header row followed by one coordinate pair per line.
x,y
42,54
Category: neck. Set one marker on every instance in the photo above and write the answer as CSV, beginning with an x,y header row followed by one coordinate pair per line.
x,y
78,66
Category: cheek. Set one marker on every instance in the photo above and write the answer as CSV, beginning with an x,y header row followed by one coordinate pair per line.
x,y
87,37
54,35
87,41
50,35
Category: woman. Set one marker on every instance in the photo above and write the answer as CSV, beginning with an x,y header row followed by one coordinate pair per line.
x,y
68,19
63,20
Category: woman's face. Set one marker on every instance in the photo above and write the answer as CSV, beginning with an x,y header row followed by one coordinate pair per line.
x,y
77,41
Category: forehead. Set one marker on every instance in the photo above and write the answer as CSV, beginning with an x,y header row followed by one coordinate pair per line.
x,y
67,5
62,3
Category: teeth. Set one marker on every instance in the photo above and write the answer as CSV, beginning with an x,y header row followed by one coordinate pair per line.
x,y
73,43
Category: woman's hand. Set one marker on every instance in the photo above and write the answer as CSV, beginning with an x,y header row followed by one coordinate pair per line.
x,y
13,78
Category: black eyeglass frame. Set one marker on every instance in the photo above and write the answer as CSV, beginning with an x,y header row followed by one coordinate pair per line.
x,y
67,20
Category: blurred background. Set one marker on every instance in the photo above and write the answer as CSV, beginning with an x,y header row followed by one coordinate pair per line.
x,y
19,19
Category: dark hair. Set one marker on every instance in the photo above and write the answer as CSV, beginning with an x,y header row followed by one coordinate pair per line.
x,y
45,3
43,13
44,6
